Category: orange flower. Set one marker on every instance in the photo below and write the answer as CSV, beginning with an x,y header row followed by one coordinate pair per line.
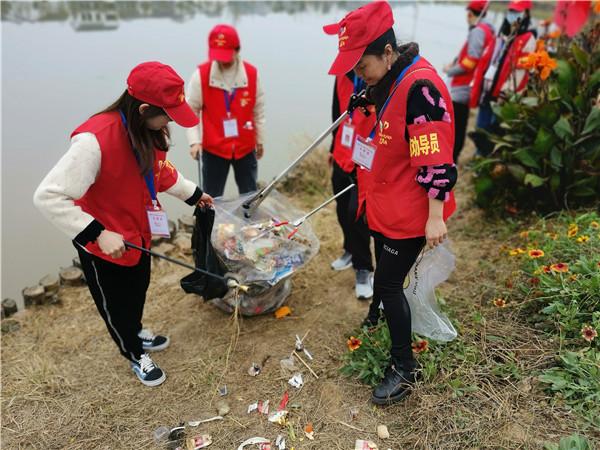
x,y
540,45
524,234
282,312
573,277
353,343
597,7
546,269
554,34
420,347
588,333
560,267
499,303
536,254
583,238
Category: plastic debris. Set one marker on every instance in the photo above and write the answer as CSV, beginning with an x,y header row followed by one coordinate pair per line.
x,y
176,436
254,370
365,445
309,432
288,364
354,412
252,407
264,446
253,441
284,401
282,311
299,344
198,442
161,434
296,381
223,390
383,432
260,406
195,423
223,408
280,442
308,355
279,417
295,406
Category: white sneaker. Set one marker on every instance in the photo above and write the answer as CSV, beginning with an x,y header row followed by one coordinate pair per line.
x,y
148,372
364,284
343,262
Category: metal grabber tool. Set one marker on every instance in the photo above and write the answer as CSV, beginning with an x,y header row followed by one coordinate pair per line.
x,y
229,279
357,100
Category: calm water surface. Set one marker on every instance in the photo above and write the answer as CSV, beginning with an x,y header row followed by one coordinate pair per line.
x,y
54,77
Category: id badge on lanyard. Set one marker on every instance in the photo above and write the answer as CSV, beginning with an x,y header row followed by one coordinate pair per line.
x,y
157,218
347,134
363,152
230,125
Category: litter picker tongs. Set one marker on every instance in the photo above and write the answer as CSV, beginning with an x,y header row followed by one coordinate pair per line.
x,y
295,224
229,280
251,204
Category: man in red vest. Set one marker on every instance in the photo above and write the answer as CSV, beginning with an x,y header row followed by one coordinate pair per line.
x,y
225,93
357,251
468,69
504,77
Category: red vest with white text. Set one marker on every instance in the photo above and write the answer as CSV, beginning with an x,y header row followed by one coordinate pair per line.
x,y
214,112
510,64
397,206
119,196
362,124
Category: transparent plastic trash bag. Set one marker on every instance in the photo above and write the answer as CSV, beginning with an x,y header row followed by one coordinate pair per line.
x,y
432,267
258,251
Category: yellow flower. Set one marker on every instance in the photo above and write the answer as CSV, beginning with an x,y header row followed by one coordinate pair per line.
x,y
595,225
572,231
536,253
552,236
499,303
524,234
353,343
573,277
560,267
583,238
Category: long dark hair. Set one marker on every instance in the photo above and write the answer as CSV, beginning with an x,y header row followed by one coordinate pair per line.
x,y
143,139
378,45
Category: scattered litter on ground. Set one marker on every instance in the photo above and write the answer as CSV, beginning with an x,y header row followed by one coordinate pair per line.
x,y
161,434
223,408
309,432
288,364
282,311
260,406
279,417
354,412
198,442
365,445
223,390
383,432
195,423
296,381
254,370
284,401
253,441
280,442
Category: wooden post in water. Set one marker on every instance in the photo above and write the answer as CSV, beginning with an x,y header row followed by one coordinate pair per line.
x,y
9,306
71,276
51,285
33,295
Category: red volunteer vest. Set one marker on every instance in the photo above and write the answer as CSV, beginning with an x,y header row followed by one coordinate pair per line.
x,y
214,112
510,64
397,206
471,64
482,65
119,196
362,124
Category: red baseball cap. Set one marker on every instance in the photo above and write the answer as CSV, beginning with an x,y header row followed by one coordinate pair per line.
x,y
159,85
520,5
223,41
356,31
477,5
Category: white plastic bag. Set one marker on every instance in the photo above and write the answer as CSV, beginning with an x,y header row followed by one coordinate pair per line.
x,y
431,268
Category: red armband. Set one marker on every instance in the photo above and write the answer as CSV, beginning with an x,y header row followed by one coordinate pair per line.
x,y
431,143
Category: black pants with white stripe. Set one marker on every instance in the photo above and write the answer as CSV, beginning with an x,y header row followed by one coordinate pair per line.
x,y
119,293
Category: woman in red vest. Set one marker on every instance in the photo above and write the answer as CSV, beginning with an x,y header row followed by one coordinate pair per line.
x,y
226,94
409,154
102,192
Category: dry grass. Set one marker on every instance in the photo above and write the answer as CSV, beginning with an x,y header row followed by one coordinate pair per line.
x,y
65,386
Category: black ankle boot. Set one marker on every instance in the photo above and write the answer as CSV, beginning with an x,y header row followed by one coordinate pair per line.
x,y
396,384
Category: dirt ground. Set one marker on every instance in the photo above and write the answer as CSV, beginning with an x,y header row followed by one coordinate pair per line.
x,y
64,384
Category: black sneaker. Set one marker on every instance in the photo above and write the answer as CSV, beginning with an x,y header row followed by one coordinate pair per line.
x,y
396,384
148,372
370,322
152,343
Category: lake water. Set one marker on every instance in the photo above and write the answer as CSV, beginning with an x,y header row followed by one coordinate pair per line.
x,y
54,77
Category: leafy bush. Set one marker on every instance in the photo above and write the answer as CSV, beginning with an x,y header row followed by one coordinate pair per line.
x,y
573,442
547,148
576,383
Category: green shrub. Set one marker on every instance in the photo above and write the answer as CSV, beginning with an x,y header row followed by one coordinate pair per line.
x,y
547,150
573,442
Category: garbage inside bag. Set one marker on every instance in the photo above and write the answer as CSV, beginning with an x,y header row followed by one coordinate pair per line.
x,y
433,268
205,258
259,251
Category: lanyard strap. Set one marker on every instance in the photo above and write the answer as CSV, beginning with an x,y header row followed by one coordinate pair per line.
x,y
229,99
149,177
387,101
